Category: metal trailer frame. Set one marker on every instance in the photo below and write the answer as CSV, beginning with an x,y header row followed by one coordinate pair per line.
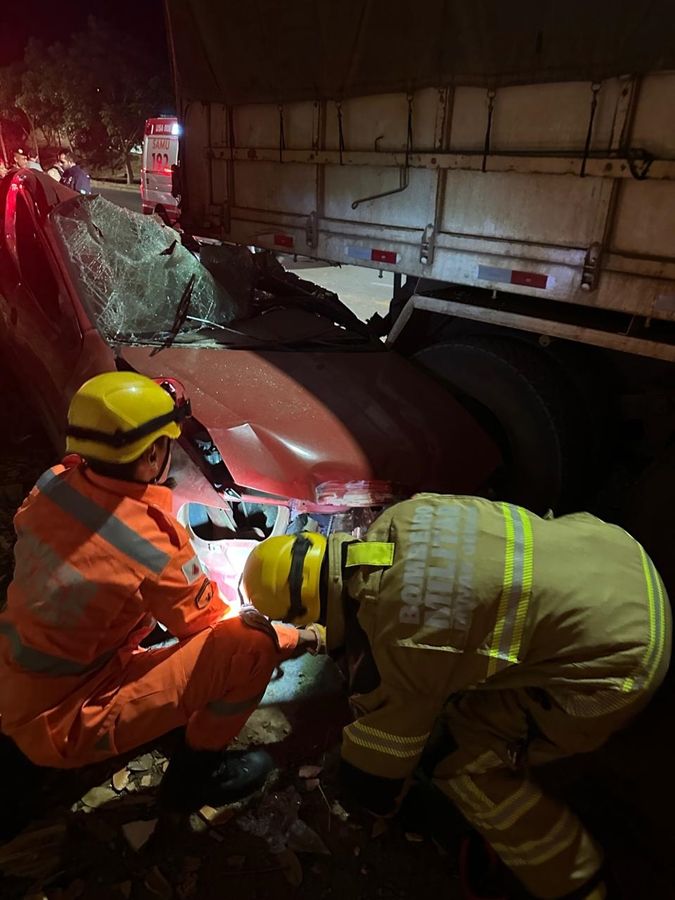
x,y
558,192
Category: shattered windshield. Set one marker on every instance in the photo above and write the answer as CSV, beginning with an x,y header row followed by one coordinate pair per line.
x,y
131,272
140,285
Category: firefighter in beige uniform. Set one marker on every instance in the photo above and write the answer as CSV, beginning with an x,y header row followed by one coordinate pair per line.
x,y
530,639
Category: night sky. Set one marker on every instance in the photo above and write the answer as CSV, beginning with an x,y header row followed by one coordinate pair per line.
x,y
50,20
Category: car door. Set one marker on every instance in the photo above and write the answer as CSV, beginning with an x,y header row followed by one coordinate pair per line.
x,y
42,336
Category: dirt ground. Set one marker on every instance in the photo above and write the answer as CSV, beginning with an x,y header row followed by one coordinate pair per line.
x,y
86,831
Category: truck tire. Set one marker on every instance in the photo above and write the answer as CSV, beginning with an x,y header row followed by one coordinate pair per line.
x,y
519,397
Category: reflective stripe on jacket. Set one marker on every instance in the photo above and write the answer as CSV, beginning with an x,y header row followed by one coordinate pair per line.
x,y
97,562
485,595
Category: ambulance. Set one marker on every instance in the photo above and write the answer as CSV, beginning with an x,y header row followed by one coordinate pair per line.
x,y
160,154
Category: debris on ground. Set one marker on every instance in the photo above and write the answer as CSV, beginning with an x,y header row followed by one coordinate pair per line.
x,y
157,885
339,811
379,828
276,820
35,854
216,835
99,796
213,815
193,863
291,867
273,818
74,890
304,839
131,798
138,833
120,780
267,725
188,878
295,834
188,886
141,763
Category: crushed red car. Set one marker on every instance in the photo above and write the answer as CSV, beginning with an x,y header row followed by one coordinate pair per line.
x,y
301,418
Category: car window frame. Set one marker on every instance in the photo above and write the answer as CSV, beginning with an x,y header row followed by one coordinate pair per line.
x,y
52,315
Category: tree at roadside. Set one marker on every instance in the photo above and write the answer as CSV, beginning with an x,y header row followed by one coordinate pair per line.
x,y
13,123
120,79
92,94
48,96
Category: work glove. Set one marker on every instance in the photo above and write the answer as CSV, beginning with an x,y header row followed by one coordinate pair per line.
x,y
320,633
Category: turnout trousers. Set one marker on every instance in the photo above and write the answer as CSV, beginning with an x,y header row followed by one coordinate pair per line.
x,y
497,742
210,682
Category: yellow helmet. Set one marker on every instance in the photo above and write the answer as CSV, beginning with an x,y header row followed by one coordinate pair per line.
x,y
114,417
282,577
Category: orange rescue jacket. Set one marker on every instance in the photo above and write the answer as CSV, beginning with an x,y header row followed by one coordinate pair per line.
x,y
98,561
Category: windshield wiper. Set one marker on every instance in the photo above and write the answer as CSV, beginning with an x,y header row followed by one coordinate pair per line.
x,y
334,342
182,311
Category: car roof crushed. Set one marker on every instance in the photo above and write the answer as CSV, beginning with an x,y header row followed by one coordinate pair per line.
x,y
131,271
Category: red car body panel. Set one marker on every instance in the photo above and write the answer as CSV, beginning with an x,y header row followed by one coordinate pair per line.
x,y
283,421
50,344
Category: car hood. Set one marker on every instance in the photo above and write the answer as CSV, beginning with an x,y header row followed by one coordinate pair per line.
x,y
286,422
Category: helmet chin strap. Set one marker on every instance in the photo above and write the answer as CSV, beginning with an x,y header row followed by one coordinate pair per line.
x,y
165,463
299,551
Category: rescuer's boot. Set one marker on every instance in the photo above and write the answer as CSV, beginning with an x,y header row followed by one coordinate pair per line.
x,y
483,876
214,777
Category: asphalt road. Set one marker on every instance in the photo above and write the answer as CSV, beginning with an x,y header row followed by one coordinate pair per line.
x,y
359,288
129,199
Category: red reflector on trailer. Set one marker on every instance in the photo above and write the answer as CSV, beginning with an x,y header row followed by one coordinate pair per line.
x,y
529,279
283,240
385,256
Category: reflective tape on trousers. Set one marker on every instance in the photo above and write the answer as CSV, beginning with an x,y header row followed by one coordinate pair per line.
x,y
32,660
513,808
101,521
540,850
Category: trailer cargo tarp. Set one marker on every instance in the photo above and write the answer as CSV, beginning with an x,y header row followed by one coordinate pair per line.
x,y
274,51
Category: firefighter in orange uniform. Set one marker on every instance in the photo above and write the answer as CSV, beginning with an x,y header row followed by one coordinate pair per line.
x,y
99,560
